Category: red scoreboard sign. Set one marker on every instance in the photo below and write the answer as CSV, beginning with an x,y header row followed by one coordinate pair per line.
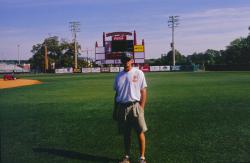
x,y
122,37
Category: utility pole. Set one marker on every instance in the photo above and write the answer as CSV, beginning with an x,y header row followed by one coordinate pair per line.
x,y
74,27
87,57
18,53
173,23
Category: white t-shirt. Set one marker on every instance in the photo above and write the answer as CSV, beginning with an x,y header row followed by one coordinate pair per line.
x,y
128,85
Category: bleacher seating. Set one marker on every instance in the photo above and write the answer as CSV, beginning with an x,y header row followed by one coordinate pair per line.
x,y
9,68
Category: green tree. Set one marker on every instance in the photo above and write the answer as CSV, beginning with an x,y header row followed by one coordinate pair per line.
x,y
37,60
59,52
197,58
168,59
238,52
209,57
212,57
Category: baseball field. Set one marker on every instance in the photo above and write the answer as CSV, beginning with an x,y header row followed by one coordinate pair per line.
x,y
192,118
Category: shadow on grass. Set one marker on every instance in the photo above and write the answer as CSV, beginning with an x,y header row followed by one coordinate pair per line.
x,y
75,155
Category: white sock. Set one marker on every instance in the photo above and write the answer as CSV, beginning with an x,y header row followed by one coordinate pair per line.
x,y
142,158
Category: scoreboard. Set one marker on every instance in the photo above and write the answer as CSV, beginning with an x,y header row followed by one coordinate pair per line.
x,y
112,50
122,46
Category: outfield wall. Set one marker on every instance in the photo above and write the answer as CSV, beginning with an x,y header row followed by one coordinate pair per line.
x,y
64,70
119,69
165,68
227,67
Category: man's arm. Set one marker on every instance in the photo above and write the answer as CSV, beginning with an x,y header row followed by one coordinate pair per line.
x,y
143,97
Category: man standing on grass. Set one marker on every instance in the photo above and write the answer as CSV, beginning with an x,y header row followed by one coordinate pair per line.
x,y
130,98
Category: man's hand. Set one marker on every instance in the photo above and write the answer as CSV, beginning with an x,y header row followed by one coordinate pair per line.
x,y
143,97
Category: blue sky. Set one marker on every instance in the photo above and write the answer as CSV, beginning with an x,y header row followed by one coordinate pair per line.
x,y
204,24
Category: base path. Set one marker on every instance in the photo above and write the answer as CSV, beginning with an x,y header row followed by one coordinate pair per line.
x,y
17,83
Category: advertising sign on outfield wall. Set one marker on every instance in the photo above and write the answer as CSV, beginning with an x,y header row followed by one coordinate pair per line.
x,y
164,68
154,68
96,69
176,68
64,70
114,69
86,70
105,69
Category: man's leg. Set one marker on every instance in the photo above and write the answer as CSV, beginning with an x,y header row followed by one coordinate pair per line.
x,y
142,143
127,141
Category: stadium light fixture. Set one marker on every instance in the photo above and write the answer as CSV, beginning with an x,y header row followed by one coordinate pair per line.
x,y
173,22
75,27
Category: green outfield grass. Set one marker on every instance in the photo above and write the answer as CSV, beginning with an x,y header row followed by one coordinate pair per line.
x,y
192,118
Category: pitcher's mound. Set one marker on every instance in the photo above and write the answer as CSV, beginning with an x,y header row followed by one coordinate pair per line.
x,y
17,83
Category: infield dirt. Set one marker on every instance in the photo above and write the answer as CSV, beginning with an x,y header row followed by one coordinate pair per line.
x,y
17,83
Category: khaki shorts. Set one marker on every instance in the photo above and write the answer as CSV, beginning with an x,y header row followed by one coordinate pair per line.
x,y
131,116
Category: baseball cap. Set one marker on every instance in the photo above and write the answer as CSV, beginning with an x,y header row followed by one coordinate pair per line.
x,y
126,56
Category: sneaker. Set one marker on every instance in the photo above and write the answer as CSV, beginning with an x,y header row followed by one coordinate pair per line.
x,y
142,161
125,160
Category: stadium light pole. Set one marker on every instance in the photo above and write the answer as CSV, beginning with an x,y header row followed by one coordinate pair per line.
x,y
173,23
75,27
87,57
18,53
